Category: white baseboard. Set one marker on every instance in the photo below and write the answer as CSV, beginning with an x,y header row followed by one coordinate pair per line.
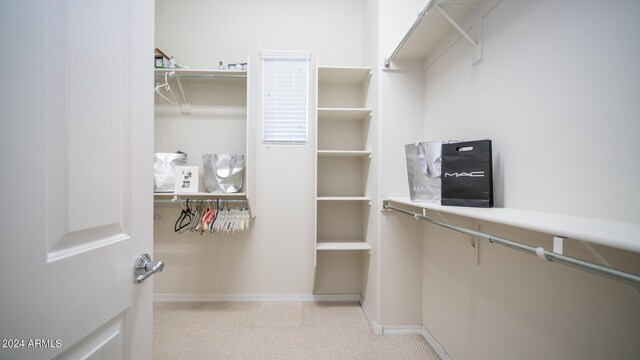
x,y
255,298
395,330
375,327
435,345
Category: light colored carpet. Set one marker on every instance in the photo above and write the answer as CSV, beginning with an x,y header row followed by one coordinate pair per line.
x,y
265,331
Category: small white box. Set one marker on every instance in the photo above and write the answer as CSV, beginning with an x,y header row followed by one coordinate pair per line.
x,y
186,179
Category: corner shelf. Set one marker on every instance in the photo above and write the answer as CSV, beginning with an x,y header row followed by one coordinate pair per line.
x,y
343,114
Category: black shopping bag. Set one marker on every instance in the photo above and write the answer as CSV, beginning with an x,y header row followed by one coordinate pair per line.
x,y
467,176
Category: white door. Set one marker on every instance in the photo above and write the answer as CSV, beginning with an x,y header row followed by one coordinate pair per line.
x,y
76,117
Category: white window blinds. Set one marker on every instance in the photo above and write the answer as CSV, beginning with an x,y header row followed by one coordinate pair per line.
x,y
285,97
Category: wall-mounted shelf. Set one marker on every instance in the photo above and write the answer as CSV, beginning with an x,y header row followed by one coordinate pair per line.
x,y
200,195
186,78
604,232
204,73
173,198
436,28
332,245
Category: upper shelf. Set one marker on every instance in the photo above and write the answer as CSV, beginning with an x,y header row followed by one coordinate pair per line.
x,y
347,75
204,73
433,32
604,232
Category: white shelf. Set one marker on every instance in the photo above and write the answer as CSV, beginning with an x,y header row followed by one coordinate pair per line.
x,y
343,114
329,245
434,33
352,75
343,153
202,72
200,194
604,232
343,198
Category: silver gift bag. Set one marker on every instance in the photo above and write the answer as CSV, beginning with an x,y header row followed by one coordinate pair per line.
x,y
164,170
223,172
424,165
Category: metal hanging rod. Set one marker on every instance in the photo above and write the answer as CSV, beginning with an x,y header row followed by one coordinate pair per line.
x,y
416,22
597,269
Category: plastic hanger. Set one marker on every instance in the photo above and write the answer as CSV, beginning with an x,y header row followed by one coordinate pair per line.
x,y
184,220
167,87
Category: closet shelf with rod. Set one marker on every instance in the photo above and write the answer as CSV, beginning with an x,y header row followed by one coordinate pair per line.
x,y
173,198
436,27
615,234
186,78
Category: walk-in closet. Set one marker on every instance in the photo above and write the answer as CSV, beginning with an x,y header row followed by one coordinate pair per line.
x,y
304,179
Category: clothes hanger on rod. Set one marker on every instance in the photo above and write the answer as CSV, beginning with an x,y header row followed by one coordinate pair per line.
x,y
167,87
184,220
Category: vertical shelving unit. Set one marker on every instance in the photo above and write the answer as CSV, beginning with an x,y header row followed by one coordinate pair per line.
x,y
343,157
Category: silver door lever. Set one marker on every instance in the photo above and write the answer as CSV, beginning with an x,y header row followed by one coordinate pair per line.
x,y
144,267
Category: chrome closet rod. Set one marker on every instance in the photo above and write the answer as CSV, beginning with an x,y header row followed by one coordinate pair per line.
x,y
416,22
597,269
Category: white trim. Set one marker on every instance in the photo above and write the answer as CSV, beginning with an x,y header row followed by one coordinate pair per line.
x,y
435,345
375,327
399,330
255,298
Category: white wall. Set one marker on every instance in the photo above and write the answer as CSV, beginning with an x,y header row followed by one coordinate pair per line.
x,y
276,256
202,32
557,92
400,122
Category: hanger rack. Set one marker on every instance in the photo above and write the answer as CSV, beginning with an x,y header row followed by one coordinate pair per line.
x,y
233,203
545,255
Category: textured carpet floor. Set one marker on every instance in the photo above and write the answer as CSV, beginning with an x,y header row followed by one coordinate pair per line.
x,y
280,331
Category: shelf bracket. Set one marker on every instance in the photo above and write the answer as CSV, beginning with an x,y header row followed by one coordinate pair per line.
x,y
477,28
186,105
558,244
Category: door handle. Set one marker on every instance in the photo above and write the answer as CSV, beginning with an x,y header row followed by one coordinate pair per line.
x,y
144,267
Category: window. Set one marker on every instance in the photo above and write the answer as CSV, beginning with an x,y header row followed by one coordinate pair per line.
x,y
285,98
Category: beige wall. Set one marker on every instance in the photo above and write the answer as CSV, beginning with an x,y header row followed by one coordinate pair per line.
x,y
276,257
